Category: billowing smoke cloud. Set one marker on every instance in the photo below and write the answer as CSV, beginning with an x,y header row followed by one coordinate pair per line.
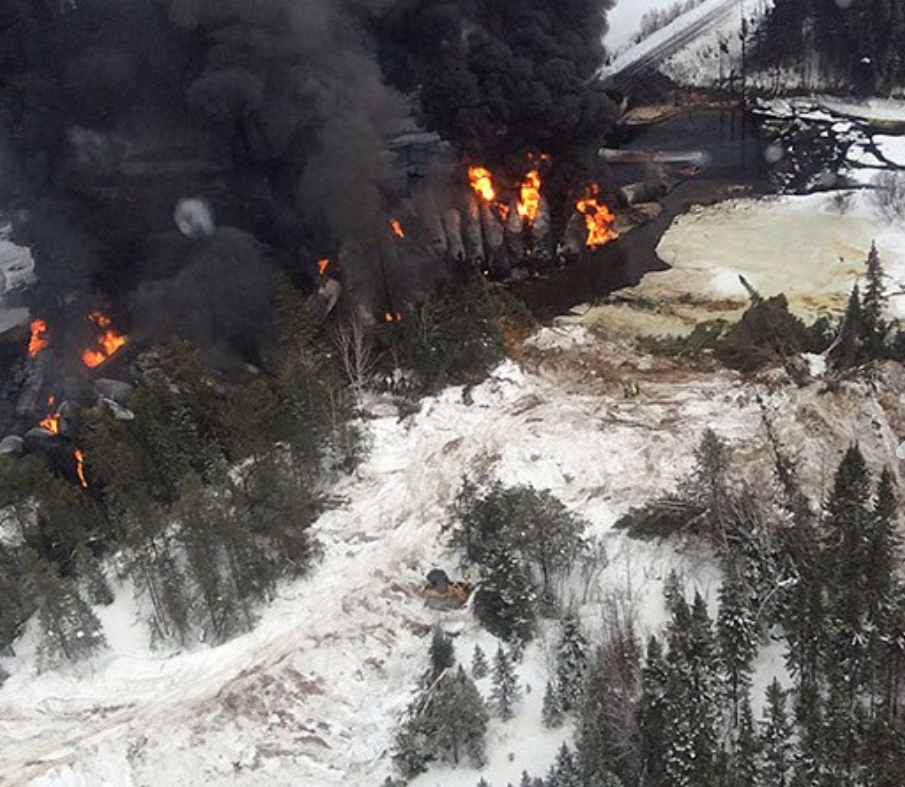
x,y
295,85
500,77
277,114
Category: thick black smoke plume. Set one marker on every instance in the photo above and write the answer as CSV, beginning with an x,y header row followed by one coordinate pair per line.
x,y
502,77
277,113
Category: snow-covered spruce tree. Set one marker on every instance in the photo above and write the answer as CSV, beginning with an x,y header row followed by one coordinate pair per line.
x,y
551,711
505,602
460,720
776,738
608,736
652,709
482,782
571,662
744,759
442,651
847,527
736,635
68,627
479,666
690,748
565,771
883,597
506,692
448,723
809,758
93,579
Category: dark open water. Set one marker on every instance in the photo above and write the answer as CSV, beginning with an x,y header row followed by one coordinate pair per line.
x,y
735,157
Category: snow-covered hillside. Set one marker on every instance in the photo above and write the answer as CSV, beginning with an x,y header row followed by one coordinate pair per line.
x,y
311,696
702,47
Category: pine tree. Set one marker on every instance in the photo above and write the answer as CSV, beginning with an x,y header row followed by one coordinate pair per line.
x,y
565,771
690,738
551,712
571,662
652,710
848,526
442,651
526,780
873,325
506,693
69,628
448,724
744,762
479,666
883,591
482,782
776,738
846,352
737,635
91,572
809,757
504,603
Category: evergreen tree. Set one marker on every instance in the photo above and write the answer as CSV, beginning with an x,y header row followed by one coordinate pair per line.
x,y
448,724
776,738
744,762
736,634
482,782
809,758
884,752
873,325
506,693
69,628
846,352
551,712
848,526
442,651
565,771
479,666
690,739
504,602
461,719
89,569
571,662
652,710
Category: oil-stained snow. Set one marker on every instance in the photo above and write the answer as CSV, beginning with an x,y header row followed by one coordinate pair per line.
x,y
804,246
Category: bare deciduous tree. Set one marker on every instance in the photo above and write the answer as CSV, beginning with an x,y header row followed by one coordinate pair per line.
x,y
356,350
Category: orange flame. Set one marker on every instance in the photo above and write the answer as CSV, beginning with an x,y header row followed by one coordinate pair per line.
x,y
390,317
52,422
80,467
529,196
39,340
322,265
108,342
482,183
598,219
397,228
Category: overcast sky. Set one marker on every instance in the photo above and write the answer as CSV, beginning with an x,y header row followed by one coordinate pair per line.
x,y
625,19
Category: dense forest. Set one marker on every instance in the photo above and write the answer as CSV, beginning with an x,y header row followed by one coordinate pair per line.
x,y
678,710
200,491
857,43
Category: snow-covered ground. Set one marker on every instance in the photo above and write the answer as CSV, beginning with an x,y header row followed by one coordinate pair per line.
x,y
701,47
804,246
311,696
